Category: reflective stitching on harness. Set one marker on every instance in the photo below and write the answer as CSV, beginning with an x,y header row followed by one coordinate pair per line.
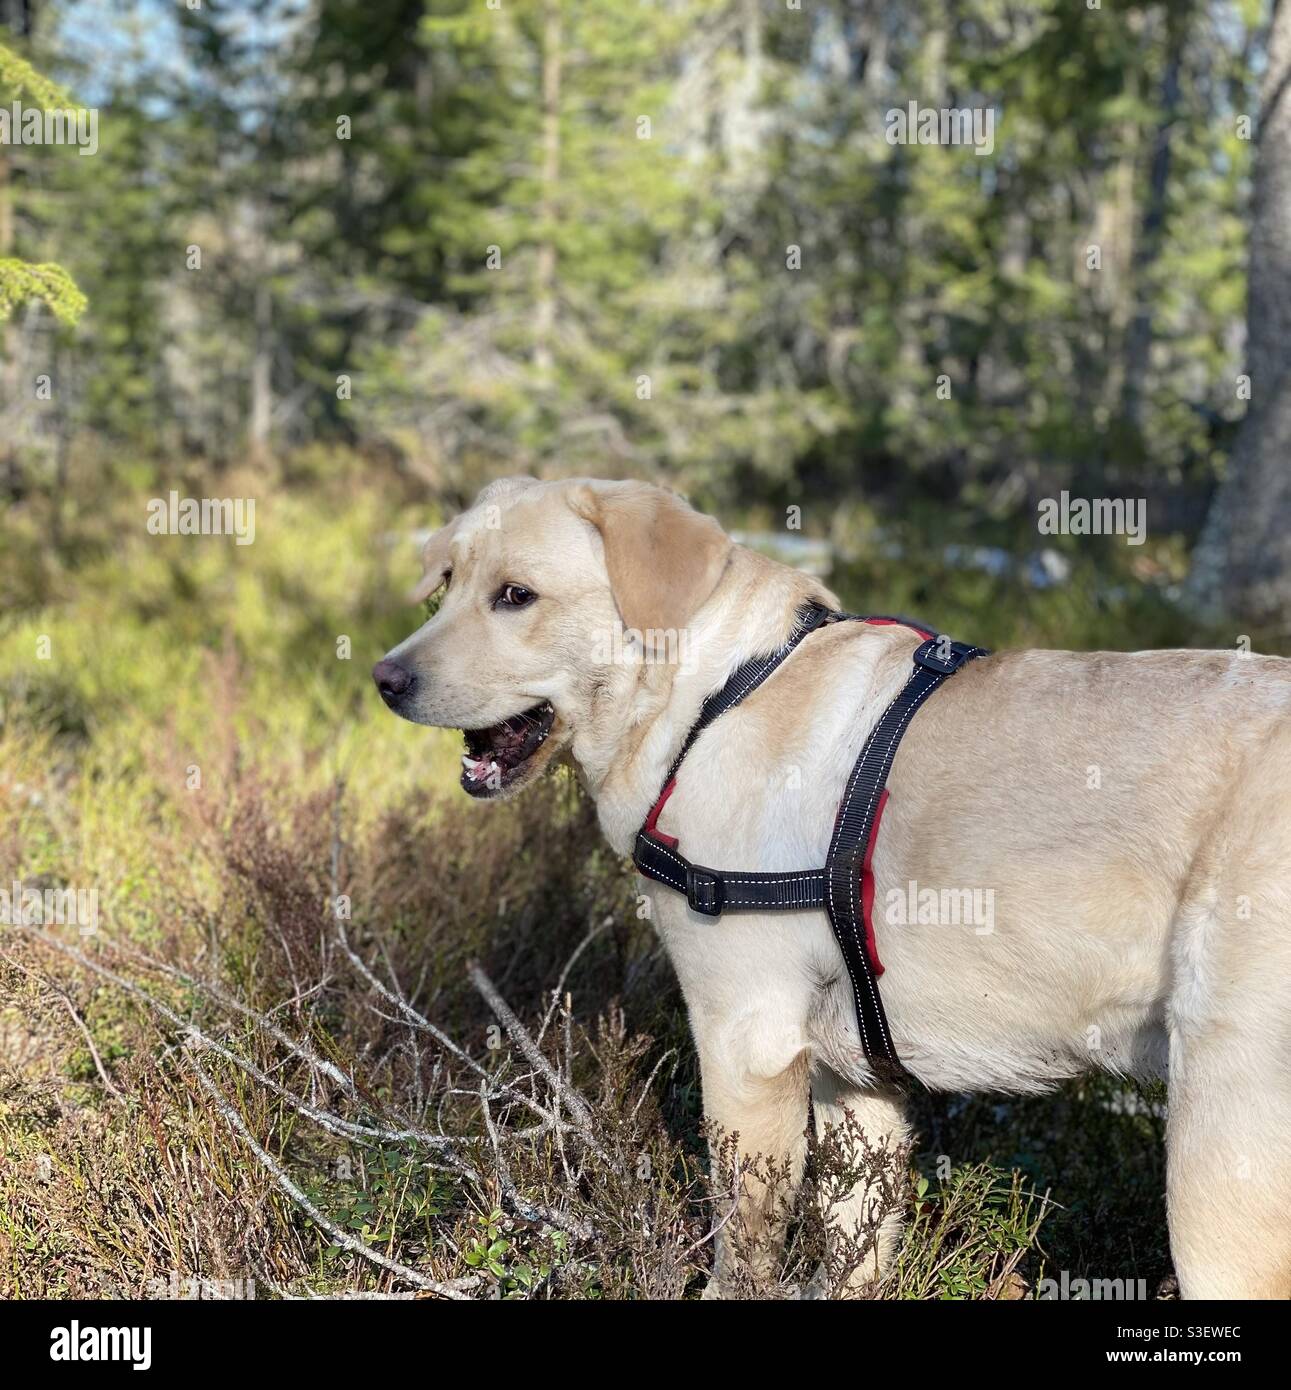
x,y
850,917
793,878
666,878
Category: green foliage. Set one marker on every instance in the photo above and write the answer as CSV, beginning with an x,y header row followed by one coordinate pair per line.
x,y
18,79
1057,1151
391,1195
20,281
711,265
579,329
49,283
967,1234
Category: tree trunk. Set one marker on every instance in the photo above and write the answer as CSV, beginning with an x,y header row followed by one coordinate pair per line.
x,y
1242,564
545,289
1147,248
262,367
10,483
19,17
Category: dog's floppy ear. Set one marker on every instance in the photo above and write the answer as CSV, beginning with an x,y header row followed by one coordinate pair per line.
x,y
434,560
664,558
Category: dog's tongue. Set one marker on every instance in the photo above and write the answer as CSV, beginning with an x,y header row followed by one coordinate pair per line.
x,y
479,769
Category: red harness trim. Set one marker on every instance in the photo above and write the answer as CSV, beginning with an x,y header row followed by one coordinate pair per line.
x,y
651,826
867,886
896,622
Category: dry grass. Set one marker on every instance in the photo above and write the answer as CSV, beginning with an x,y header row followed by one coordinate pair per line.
x,y
356,1067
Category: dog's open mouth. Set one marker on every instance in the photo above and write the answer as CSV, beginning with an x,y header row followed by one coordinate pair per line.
x,y
498,756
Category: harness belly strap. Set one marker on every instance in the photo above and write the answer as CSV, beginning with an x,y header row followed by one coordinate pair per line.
x,y
844,887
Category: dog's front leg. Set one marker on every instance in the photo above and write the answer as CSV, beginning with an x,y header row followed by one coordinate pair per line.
x,y
864,1222
763,1118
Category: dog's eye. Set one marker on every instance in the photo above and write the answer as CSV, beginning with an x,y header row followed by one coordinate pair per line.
x,y
514,596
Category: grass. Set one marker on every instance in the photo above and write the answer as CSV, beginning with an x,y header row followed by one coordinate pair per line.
x,y
280,1059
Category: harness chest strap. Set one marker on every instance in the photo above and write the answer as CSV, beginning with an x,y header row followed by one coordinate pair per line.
x,y
844,886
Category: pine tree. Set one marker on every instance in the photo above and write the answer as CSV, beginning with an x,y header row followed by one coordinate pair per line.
x,y
593,304
20,280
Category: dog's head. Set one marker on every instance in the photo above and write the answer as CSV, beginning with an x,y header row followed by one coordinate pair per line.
x,y
549,600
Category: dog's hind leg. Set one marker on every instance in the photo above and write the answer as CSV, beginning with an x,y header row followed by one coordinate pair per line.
x,y
1228,1134
863,1223
1229,1170
1229,1127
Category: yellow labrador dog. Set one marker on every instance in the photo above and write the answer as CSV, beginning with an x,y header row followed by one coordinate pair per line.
x,y
1126,816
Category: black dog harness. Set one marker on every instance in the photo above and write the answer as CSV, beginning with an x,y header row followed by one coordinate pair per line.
x,y
844,887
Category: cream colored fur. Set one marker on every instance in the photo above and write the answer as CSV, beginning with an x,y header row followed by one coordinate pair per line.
x,y
1130,812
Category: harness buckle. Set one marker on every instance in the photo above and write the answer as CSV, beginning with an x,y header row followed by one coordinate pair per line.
x,y
943,656
705,891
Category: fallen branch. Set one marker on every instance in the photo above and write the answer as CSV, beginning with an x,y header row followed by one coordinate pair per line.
x,y
456,1290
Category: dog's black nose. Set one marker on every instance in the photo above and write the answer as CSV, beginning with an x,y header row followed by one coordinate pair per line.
x,y
392,680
